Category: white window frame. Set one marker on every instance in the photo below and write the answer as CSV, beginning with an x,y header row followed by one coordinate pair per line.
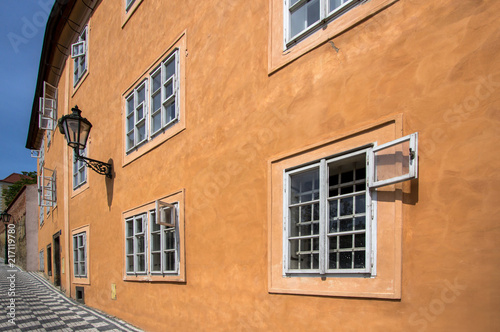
x,y
148,113
412,139
47,187
80,58
79,247
164,229
370,210
134,255
323,201
325,16
137,121
79,170
165,100
47,108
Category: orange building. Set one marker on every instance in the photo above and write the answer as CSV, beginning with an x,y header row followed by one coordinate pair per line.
x,y
277,165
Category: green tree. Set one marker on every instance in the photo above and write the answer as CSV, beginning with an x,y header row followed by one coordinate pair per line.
x,y
10,193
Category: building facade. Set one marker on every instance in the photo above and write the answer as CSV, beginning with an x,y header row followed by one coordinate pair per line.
x,y
278,165
24,239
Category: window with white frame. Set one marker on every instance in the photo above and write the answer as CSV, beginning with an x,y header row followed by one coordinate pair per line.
x,y
47,113
79,53
148,116
79,170
152,242
304,16
137,116
164,239
80,255
41,267
135,238
46,188
329,223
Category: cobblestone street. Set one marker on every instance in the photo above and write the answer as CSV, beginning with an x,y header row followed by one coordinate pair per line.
x,y
29,303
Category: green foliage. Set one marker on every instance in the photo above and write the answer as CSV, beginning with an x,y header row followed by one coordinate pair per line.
x,y
10,193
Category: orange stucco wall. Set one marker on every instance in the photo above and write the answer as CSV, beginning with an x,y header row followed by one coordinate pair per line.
x,y
433,65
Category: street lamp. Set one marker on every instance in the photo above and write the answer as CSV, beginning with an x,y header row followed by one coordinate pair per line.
x,y
5,217
76,130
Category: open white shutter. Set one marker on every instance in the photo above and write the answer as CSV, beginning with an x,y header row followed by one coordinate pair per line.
x,y
48,107
394,162
46,187
166,214
78,49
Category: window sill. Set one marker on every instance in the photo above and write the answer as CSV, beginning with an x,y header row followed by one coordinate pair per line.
x,y
386,282
154,278
278,57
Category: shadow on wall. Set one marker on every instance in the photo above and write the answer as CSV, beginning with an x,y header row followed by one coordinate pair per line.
x,y
110,184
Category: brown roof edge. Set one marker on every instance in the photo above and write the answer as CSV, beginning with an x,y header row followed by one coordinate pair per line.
x,y
57,19
14,177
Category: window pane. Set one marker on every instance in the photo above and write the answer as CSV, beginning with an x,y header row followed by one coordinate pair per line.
x,y
305,186
169,240
169,89
346,206
304,17
141,131
156,81
345,241
130,246
141,94
130,123
141,262
359,240
169,261
156,102
345,225
170,109
345,260
156,262
130,140
155,242
360,204
141,245
138,225
130,228
359,259
130,106
140,113
359,223
156,122
130,263
170,69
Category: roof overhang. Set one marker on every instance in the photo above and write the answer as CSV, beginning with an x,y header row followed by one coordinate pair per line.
x,y
66,20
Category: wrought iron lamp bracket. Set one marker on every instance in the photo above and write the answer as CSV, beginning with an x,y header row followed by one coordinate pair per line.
x,y
98,166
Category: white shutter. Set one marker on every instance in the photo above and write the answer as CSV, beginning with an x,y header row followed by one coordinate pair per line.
x,y
78,49
394,162
46,187
48,107
166,214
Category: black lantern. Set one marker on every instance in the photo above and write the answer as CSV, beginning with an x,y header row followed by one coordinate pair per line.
x,y
76,130
5,217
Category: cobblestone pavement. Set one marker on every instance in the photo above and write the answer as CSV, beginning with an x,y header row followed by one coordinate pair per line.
x,y
29,303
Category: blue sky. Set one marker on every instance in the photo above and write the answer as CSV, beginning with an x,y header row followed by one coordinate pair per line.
x,y
22,28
